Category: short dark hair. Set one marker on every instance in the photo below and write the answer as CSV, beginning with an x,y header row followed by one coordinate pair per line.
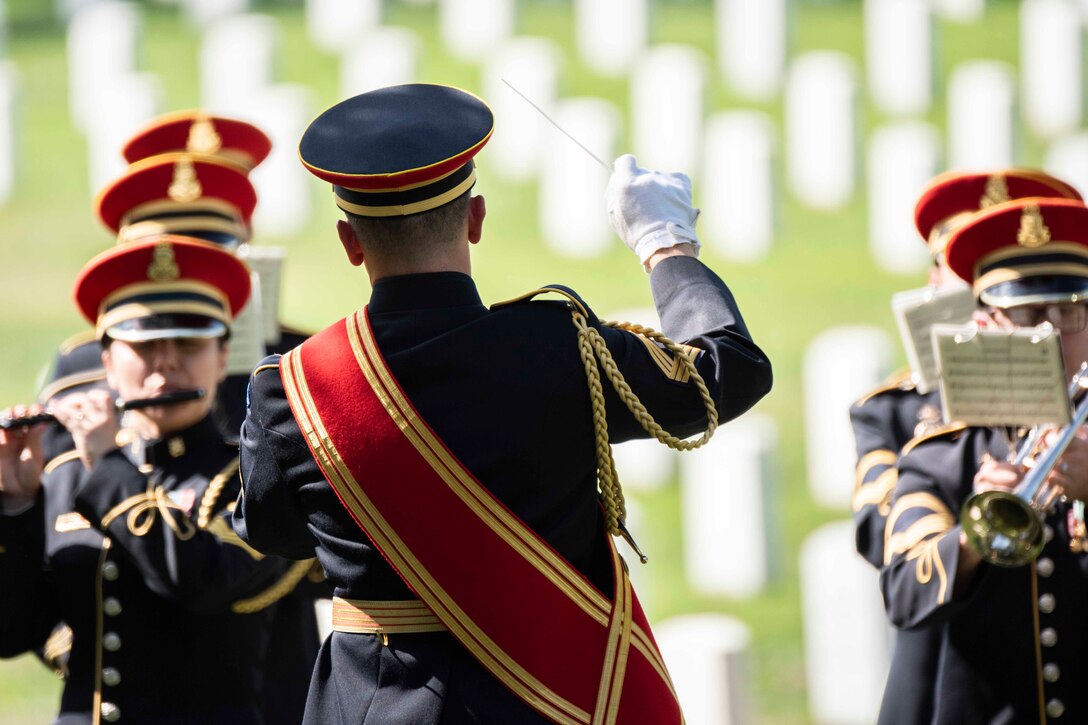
x,y
414,236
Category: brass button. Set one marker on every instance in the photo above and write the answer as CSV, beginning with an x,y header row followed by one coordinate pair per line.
x,y
1045,567
1051,672
112,607
1055,708
110,571
1046,603
111,677
1048,533
1049,637
111,641
110,712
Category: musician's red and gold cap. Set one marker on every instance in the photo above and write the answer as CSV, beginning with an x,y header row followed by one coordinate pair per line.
x,y
166,287
398,150
1022,252
952,198
180,193
200,132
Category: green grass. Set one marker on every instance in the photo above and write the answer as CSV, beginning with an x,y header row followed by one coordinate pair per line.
x,y
818,275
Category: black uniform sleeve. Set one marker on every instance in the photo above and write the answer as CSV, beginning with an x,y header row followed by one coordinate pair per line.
x,y
268,515
876,474
696,309
28,609
207,570
922,549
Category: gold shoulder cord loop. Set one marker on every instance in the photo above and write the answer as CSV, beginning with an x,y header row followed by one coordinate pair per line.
x,y
592,347
144,508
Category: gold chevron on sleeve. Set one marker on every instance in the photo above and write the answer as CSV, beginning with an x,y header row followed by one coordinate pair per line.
x,y
872,459
877,492
670,366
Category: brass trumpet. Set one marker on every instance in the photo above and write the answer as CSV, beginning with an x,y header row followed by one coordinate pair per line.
x,y
1006,527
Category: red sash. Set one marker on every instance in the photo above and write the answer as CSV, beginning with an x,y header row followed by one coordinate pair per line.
x,y
529,617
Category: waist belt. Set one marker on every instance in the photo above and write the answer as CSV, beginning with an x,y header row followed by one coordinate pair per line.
x,y
360,616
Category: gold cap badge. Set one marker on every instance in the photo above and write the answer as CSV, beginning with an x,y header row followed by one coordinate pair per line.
x,y
185,187
1033,232
163,267
203,138
997,192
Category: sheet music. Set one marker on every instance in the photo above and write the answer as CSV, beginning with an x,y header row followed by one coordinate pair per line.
x,y
1001,377
268,263
918,310
247,334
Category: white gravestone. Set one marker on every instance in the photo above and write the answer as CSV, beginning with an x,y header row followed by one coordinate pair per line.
x,y
336,26
283,185
840,365
981,119
707,658
644,464
751,40
125,106
899,55
573,219
1051,76
9,128
821,129
1067,158
103,42
726,493
902,159
962,11
737,193
472,28
846,633
237,63
202,12
384,57
668,90
611,34
531,65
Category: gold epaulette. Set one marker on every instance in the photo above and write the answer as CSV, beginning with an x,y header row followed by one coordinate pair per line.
x,y
902,380
58,461
76,340
544,290
59,385
261,368
953,427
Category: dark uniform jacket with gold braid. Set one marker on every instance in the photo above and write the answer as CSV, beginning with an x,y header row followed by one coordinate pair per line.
x,y
884,421
77,367
168,609
506,390
1014,642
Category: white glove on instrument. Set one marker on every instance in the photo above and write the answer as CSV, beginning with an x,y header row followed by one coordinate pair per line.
x,y
650,210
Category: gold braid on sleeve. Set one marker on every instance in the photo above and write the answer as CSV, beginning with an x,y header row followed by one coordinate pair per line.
x,y
212,492
287,583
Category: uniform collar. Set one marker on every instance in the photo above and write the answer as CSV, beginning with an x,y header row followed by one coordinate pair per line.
x,y
423,291
160,451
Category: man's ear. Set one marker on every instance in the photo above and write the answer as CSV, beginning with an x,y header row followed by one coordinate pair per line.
x,y
107,365
477,210
352,247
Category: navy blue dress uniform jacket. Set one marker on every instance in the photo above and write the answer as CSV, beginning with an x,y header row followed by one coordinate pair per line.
x,y
993,632
151,601
506,390
293,648
884,421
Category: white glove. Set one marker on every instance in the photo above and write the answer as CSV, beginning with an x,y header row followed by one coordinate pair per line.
x,y
650,210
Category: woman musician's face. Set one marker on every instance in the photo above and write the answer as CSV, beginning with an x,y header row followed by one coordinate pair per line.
x,y
157,367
